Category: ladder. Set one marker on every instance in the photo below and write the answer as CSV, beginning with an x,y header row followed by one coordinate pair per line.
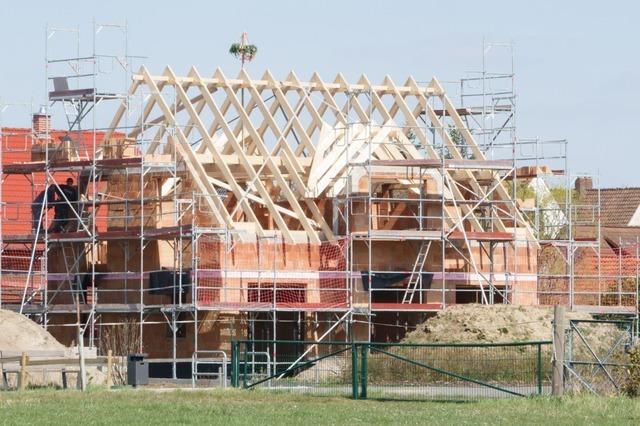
x,y
72,259
37,264
416,274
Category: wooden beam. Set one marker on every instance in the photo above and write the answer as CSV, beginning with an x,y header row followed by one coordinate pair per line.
x,y
197,171
237,191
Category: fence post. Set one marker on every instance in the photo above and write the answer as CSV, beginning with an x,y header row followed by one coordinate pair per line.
x,y
558,350
244,366
364,371
109,369
234,359
539,367
354,371
23,371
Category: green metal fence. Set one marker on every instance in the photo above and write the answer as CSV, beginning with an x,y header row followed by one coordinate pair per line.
x,y
394,370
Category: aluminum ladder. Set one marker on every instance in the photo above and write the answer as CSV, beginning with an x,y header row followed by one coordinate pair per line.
x,y
418,267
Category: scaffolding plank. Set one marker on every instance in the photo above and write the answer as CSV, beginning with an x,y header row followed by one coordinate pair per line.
x,y
41,166
482,236
406,307
429,163
165,233
396,235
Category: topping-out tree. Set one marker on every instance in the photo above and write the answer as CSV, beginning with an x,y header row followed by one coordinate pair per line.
x,y
246,53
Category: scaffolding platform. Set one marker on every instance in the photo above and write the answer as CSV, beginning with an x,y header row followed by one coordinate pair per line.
x,y
412,307
68,166
482,236
396,235
81,95
473,111
259,229
428,163
167,233
434,235
269,307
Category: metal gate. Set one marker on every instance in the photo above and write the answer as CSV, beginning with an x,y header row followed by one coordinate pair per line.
x,y
596,355
402,371
210,365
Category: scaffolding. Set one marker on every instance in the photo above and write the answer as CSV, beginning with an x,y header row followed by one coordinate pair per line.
x,y
455,202
304,210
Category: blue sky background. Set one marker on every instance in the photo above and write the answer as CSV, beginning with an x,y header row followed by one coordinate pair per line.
x,y
576,62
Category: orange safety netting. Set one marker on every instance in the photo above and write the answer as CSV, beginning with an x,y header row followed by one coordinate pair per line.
x,y
15,275
270,273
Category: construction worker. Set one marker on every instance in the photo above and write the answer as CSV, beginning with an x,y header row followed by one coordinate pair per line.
x,y
70,192
38,205
65,205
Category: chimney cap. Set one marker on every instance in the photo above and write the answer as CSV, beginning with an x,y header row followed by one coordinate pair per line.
x,y
41,111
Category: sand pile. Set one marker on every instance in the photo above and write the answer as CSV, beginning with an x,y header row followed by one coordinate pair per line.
x,y
472,323
18,333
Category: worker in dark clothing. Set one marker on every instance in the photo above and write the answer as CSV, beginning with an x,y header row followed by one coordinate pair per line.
x,y
38,204
67,206
61,211
66,203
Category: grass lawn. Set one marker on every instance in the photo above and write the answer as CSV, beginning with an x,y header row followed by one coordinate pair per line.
x,y
262,408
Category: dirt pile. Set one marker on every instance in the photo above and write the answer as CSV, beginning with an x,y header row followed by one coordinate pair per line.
x,y
18,333
474,323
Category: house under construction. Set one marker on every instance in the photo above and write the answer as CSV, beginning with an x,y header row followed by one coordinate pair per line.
x,y
216,207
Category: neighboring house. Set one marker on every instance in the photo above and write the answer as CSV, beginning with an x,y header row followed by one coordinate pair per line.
x,y
619,212
600,271
607,276
538,196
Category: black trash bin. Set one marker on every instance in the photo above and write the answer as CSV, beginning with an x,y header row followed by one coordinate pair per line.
x,y
137,370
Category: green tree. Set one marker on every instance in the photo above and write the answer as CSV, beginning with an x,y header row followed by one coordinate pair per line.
x,y
460,144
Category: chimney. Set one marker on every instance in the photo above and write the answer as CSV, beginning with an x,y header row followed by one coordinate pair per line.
x,y
583,184
41,123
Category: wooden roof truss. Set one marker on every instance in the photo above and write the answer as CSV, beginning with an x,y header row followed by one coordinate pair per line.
x,y
284,144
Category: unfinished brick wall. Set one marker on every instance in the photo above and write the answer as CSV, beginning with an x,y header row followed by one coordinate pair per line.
x,y
267,272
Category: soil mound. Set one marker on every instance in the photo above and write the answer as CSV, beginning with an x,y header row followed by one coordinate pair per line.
x,y
18,333
475,323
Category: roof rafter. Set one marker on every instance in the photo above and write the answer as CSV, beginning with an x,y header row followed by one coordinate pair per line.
x,y
288,144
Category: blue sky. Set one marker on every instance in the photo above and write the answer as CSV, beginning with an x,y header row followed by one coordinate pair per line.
x,y
576,61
